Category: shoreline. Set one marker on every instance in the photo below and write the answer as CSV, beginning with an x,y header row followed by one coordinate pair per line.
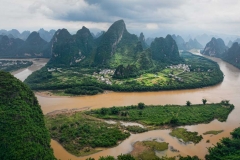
x,y
50,94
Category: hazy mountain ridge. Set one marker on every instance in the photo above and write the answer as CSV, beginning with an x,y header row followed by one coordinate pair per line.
x,y
215,48
25,45
34,46
232,55
46,35
191,44
14,33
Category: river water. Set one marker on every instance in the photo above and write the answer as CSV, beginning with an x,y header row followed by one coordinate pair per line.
x,y
229,89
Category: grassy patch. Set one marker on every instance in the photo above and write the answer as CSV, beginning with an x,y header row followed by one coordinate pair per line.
x,y
146,150
213,132
81,134
185,135
166,115
159,146
136,129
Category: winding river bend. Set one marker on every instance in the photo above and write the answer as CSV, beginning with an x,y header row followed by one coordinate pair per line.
x,y
229,89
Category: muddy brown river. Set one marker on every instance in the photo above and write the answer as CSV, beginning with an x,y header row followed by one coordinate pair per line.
x,y
229,89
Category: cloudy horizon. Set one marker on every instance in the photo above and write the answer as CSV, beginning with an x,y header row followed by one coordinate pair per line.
x,y
153,18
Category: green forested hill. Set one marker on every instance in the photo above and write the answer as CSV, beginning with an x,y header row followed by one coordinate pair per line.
x,y
215,48
113,48
9,46
119,61
22,129
232,55
34,46
165,50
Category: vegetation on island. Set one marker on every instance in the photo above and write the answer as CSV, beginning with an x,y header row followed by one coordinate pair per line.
x,y
136,129
23,134
13,65
186,136
213,132
174,115
146,149
81,134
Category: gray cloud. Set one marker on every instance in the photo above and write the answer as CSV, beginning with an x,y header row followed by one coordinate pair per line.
x,y
153,17
108,10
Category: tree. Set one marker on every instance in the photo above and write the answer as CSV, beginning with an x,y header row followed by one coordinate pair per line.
x,y
204,101
188,103
103,111
125,157
23,133
141,105
107,158
114,110
174,121
225,102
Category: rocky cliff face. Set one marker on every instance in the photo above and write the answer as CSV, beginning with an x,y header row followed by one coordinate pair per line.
x,y
215,48
110,41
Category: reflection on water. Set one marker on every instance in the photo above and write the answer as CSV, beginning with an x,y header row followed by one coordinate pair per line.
x,y
228,89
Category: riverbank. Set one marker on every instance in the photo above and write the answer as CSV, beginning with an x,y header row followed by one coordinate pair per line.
x,y
85,81
172,115
83,138
83,135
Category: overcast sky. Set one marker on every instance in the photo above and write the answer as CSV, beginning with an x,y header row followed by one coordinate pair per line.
x,y
152,17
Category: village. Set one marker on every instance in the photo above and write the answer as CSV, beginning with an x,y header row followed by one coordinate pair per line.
x,y
4,63
184,67
104,75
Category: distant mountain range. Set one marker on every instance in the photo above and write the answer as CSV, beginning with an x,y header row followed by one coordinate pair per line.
x,y
230,43
34,46
182,45
45,35
112,48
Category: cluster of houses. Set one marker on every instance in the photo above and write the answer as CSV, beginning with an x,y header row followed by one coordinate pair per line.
x,y
104,75
176,77
54,69
11,63
181,66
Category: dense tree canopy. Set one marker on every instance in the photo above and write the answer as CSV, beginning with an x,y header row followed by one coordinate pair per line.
x,y
23,134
